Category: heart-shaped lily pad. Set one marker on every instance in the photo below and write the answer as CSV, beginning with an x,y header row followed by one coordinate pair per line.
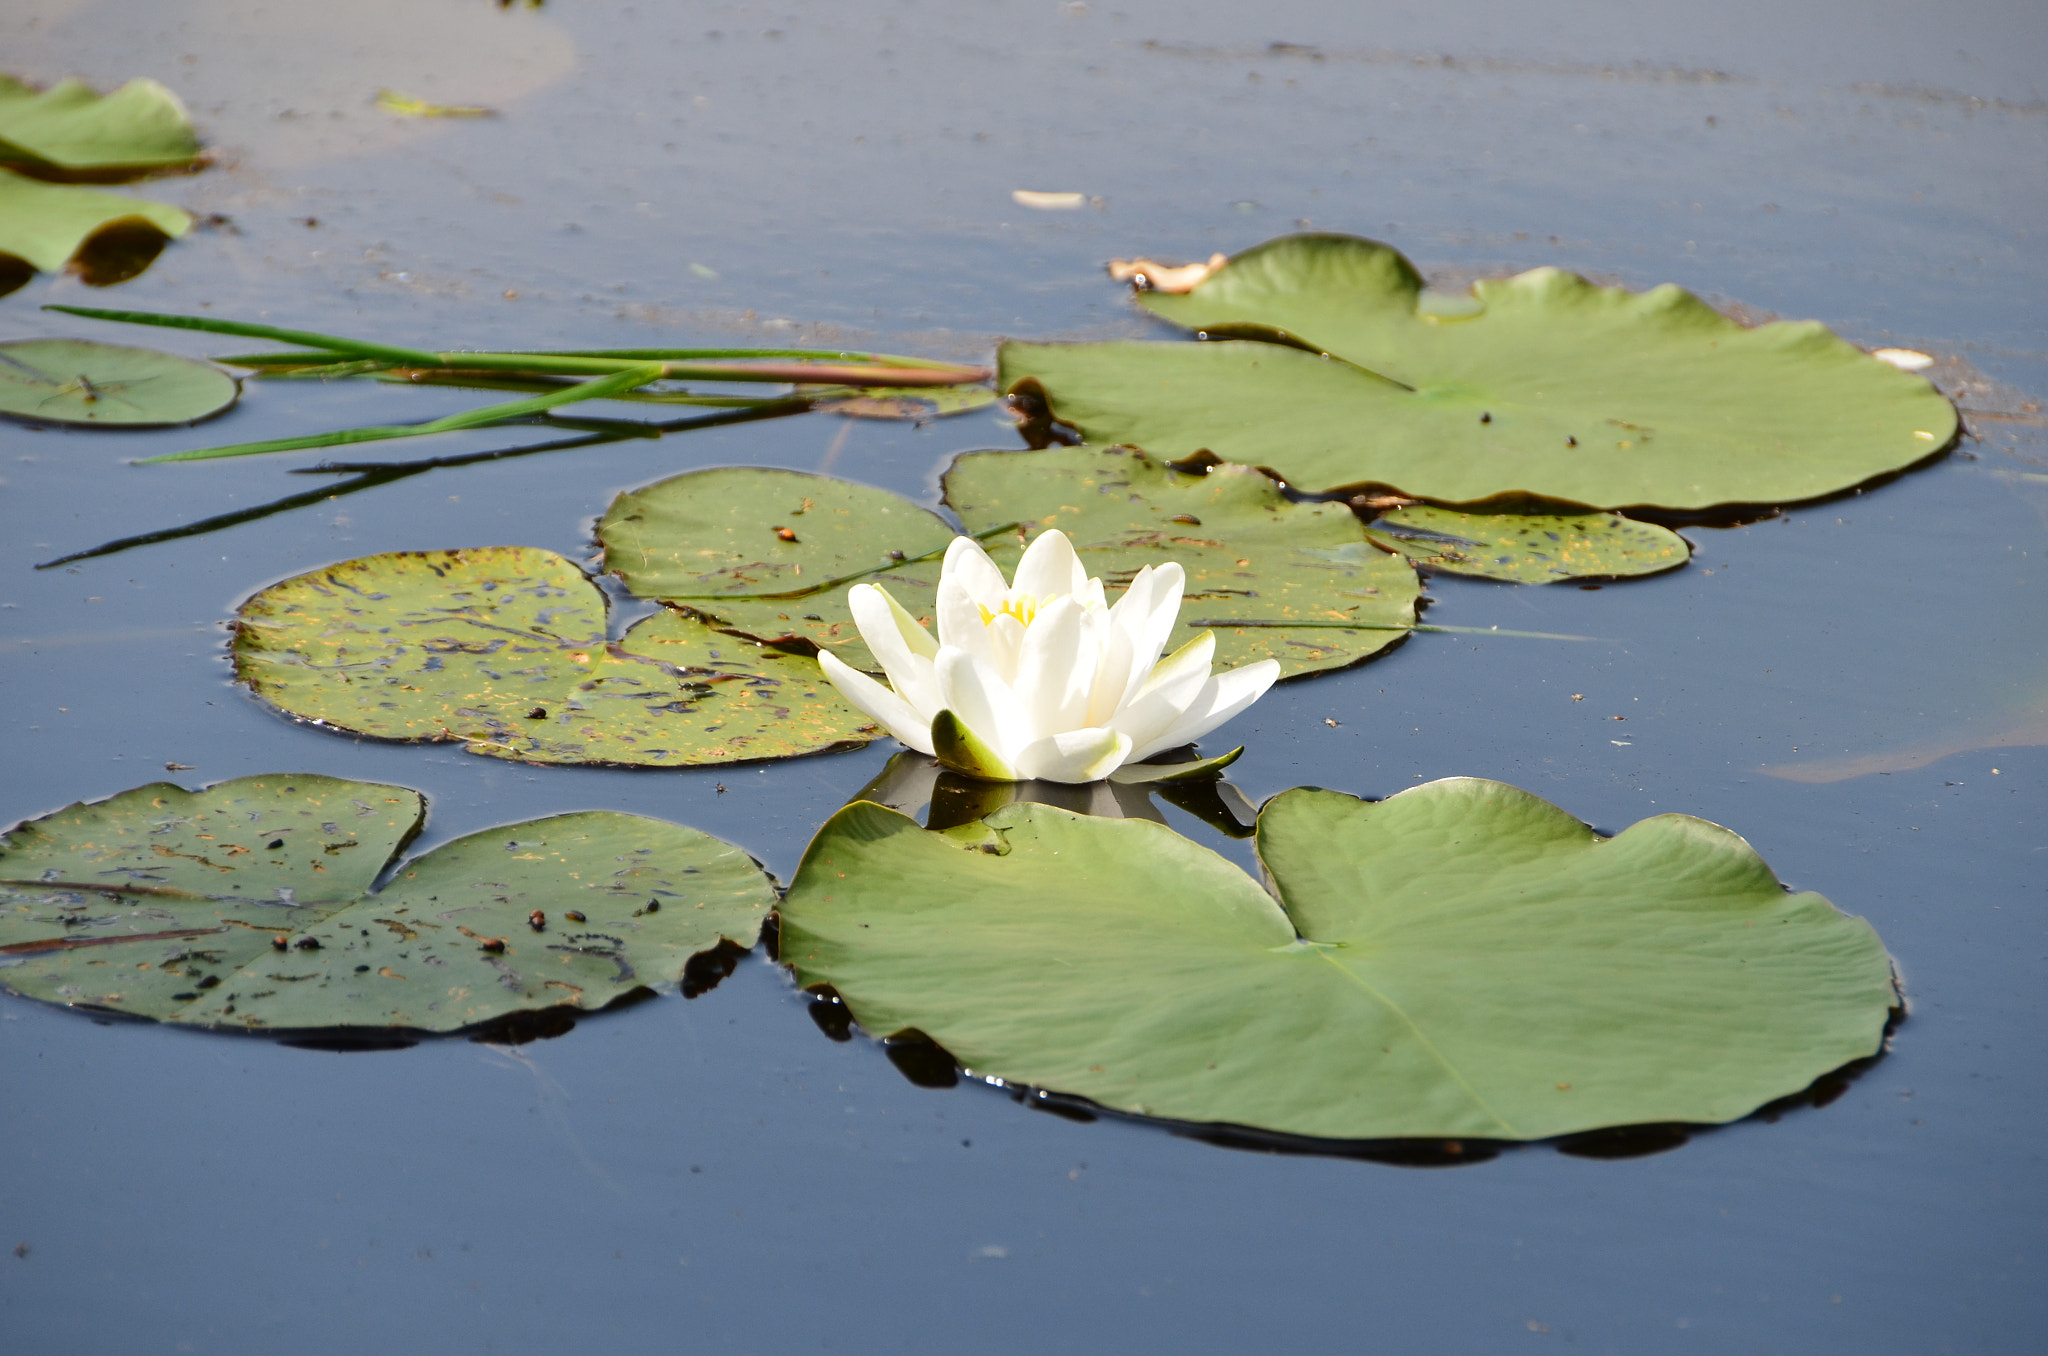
x,y
504,649
78,381
67,127
1460,960
1543,385
248,905
740,547
45,226
1526,548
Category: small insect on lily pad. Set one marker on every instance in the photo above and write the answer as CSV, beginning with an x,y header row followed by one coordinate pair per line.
x,y
248,905
77,381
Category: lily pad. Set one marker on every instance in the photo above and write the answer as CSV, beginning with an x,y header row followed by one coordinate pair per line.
x,y
1267,574
1542,385
504,650
1528,548
77,381
248,905
45,226
1460,960
139,127
1274,578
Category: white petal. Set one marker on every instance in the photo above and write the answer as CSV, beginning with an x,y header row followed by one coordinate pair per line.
x,y
1074,756
1112,675
1050,568
1005,643
888,631
1221,698
1052,681
960,619
1168,693
983,702
887,709
967,562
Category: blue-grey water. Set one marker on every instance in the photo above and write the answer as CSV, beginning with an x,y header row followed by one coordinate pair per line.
x,y
713,1173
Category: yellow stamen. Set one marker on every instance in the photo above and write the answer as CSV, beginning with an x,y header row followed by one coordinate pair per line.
x,y
1022,608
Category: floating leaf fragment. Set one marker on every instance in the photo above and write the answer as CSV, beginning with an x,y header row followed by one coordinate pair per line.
x,y
1148,276
248,905
1905,359
1049,202
1461,960
78,381
504,650
406,106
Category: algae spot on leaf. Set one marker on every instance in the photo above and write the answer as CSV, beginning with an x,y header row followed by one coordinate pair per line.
x,y
504,650
248,905
1462,960
78,381
1544,385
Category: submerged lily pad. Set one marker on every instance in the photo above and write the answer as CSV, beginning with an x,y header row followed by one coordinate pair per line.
x,y
248,905
1460,960
1269,575
77,381
504,650
45,226
1528,548
140,126
1542,384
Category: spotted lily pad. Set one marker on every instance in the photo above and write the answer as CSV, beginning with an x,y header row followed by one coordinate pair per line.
x,y
78,381
108,237
1328,363
741,547
1460,960
504,650
1528,548
68,127
248,905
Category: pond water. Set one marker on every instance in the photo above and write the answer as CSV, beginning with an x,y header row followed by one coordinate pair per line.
x,y
714,1171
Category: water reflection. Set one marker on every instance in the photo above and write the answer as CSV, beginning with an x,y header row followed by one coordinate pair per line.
x,y
916,785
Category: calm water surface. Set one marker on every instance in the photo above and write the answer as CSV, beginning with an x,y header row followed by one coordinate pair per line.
x,y
713,1173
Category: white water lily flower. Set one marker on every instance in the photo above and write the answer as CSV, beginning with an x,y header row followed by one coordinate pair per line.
x,y
1041,678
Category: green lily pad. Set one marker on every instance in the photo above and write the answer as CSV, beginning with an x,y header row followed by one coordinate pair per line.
x,y
1275,579
77,381
1548,386
1267,574
1528,548
140,126
503,649
1460,960
45,226
248,905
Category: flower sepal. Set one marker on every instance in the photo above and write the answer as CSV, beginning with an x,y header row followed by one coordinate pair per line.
x,y
1162,773
959,750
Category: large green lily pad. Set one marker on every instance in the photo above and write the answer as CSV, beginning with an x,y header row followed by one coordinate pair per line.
x,y
78,381
503,649
140,126
1272,577
45,226
1460,960
1528,548
248,905
1543,385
